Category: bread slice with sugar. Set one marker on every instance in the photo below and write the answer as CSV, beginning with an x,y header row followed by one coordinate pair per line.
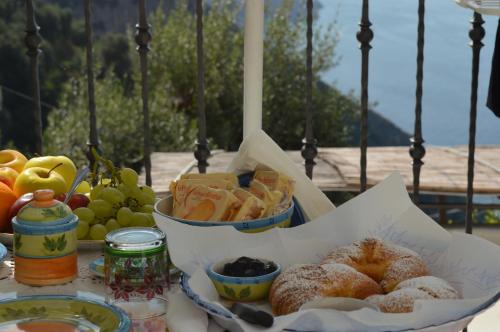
x,y
204,203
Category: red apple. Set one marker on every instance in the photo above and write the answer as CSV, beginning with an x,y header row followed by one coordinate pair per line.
x,y
14,209
77,200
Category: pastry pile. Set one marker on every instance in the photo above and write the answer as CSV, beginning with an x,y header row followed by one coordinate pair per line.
x,y
387,275
218,196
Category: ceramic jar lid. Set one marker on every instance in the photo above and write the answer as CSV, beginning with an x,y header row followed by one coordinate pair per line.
x,y
44,210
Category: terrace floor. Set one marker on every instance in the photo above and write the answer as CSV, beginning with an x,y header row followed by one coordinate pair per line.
x,y
337,169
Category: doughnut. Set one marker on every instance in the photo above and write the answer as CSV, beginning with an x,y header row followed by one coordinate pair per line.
x,y
386,263
407,292
304,282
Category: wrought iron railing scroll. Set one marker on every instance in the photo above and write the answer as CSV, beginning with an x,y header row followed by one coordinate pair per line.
x,y
143,38
364,36
93,142
32,41
202,152
309,150
476,35
417,149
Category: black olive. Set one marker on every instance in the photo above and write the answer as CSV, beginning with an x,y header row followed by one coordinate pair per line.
x,y
248,267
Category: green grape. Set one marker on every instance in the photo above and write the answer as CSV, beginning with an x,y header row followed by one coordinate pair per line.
x,y
143,199
133,205
150,195
98,232
146,208
82,229
140,219
113,196
85,214
100,220
128,176
124,216
96,190
134,198
151,220
124,189
101,208
112,224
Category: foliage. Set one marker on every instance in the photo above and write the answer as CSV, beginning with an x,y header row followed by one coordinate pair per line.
x,y
119,123
492,217
285,83
172,68
61,38
173,64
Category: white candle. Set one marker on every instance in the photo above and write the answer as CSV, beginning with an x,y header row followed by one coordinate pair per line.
x,y
253,65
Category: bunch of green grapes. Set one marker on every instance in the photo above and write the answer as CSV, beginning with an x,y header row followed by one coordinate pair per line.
x,y
116,203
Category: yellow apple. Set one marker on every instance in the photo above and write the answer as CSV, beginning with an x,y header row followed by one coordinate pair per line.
x,y
12,159
67,168
8,176
35,178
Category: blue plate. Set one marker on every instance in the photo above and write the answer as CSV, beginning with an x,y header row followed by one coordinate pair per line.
x,y
97,267
208,307
3,252
56,312
225,314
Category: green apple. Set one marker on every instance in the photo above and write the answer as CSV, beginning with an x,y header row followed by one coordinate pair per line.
x,y
67,168
35,178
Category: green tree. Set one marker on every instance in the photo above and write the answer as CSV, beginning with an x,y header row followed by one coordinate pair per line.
x,y
173,64
119,122
62,38
173,76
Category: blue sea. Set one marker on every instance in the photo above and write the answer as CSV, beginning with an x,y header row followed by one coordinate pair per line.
x,y
447,65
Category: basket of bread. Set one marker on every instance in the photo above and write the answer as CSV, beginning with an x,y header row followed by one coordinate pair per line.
x,y
251,203
375,263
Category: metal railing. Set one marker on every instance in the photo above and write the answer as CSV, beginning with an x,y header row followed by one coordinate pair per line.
x,y
309,149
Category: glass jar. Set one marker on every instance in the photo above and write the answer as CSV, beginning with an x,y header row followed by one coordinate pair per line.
x,y
136,273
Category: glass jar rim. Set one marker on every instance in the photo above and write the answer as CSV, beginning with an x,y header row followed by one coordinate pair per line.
x,y
135,239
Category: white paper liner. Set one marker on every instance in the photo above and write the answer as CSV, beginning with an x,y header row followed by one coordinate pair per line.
x,y
258,149
469,263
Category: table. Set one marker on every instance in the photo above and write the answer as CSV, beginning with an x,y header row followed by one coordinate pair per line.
x,y
87,284
91,286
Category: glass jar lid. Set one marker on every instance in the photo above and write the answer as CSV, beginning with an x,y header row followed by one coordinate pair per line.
x,y
135,240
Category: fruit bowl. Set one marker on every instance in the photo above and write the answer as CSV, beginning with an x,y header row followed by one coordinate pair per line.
x,y
163,212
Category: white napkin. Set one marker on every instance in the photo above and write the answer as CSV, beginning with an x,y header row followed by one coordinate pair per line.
x,y
469,263
258,149
183,315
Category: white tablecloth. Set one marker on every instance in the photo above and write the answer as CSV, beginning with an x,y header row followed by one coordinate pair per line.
x,y
91,286
86,285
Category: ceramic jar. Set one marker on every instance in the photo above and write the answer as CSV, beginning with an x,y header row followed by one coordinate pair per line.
x,y
45,241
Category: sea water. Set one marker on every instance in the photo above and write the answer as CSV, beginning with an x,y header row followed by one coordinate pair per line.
x,y
447,65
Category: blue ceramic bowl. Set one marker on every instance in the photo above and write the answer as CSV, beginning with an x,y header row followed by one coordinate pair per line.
x,y
164,207
241,289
